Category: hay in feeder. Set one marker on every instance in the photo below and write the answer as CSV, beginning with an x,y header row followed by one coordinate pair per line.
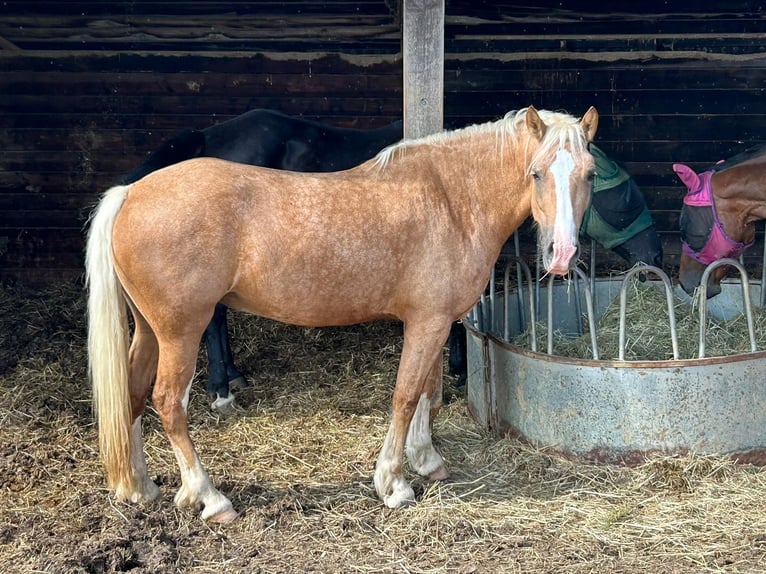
x,y
648,333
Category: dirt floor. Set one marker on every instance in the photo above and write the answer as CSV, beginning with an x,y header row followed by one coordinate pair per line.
x,y
297,462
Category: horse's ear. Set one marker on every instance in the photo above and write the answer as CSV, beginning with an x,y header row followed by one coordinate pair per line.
x,y
688,176
589,124
535,125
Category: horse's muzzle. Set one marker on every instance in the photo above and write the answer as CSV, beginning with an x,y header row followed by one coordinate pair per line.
x,y
561,257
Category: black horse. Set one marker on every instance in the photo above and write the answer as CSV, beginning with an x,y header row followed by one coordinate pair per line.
x,y
270,139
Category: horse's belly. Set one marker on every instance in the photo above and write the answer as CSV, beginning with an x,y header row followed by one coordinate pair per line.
x,y
311,308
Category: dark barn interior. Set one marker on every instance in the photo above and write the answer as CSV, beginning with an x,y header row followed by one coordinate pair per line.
x,y
90,88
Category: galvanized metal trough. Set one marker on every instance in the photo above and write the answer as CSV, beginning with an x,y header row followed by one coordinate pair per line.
x,y
613,410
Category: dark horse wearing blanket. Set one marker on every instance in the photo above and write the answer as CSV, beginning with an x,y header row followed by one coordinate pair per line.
x,y
412,234
270,139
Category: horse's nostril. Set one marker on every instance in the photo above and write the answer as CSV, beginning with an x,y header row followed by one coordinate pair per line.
x,y
549,252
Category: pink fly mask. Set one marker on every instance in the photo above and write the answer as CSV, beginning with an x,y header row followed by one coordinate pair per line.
x,y
700,195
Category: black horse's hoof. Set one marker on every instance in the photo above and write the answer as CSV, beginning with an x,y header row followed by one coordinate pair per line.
x,y
224,406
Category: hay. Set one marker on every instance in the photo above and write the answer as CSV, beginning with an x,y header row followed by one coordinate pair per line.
x,y
647,333
297,461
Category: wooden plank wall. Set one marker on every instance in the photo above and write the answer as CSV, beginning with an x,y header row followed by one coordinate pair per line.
x,y
89,88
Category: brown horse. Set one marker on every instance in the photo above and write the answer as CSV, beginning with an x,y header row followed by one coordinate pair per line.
x,y
718,215
411,234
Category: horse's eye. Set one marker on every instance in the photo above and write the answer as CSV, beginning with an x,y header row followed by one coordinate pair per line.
x,y
591,175
536,175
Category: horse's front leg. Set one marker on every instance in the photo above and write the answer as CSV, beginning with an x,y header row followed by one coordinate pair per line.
x,y
413,394
420,449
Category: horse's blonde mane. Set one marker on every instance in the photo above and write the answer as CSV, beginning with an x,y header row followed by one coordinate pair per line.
x,y
562,128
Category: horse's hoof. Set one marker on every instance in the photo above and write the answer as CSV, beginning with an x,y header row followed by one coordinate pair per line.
x,y
224,406
401,498
439,474
224,517
397,502
238,383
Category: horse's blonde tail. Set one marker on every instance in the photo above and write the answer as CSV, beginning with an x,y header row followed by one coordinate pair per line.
x,y
108,345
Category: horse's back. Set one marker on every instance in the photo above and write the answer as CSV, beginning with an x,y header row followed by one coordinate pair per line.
x,y
263,240
217,206
192,192
272,139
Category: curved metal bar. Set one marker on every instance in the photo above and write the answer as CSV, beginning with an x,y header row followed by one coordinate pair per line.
x,y
550,314
578,304
623,306
592,266
589,307
537,285
521,266
471,316
520,282
491,289
763,278
483,319
591,314
748,309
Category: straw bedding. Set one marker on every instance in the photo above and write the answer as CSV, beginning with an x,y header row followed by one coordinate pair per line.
x,y
297,462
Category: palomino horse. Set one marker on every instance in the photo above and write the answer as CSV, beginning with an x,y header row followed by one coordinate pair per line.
x,y
617,218
412,234
718,215
270,139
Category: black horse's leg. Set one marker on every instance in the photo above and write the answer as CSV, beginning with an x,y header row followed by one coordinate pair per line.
x,y
458,361
220,361
233,375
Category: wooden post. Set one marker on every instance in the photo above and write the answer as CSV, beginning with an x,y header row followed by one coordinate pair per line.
x,y
423,61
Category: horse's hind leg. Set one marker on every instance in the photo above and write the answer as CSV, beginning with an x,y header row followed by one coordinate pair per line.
x,y
223,375
142,367
171,397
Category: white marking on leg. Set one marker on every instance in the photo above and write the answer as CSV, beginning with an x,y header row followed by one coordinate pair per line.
x,y
147,490
420,450
392,489
197,489
224,405
185,400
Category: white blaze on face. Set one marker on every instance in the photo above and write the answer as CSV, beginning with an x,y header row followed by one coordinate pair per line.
x,y
564,229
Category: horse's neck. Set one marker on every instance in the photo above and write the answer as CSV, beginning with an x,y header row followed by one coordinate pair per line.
x,y
746,188
484,181
479,196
